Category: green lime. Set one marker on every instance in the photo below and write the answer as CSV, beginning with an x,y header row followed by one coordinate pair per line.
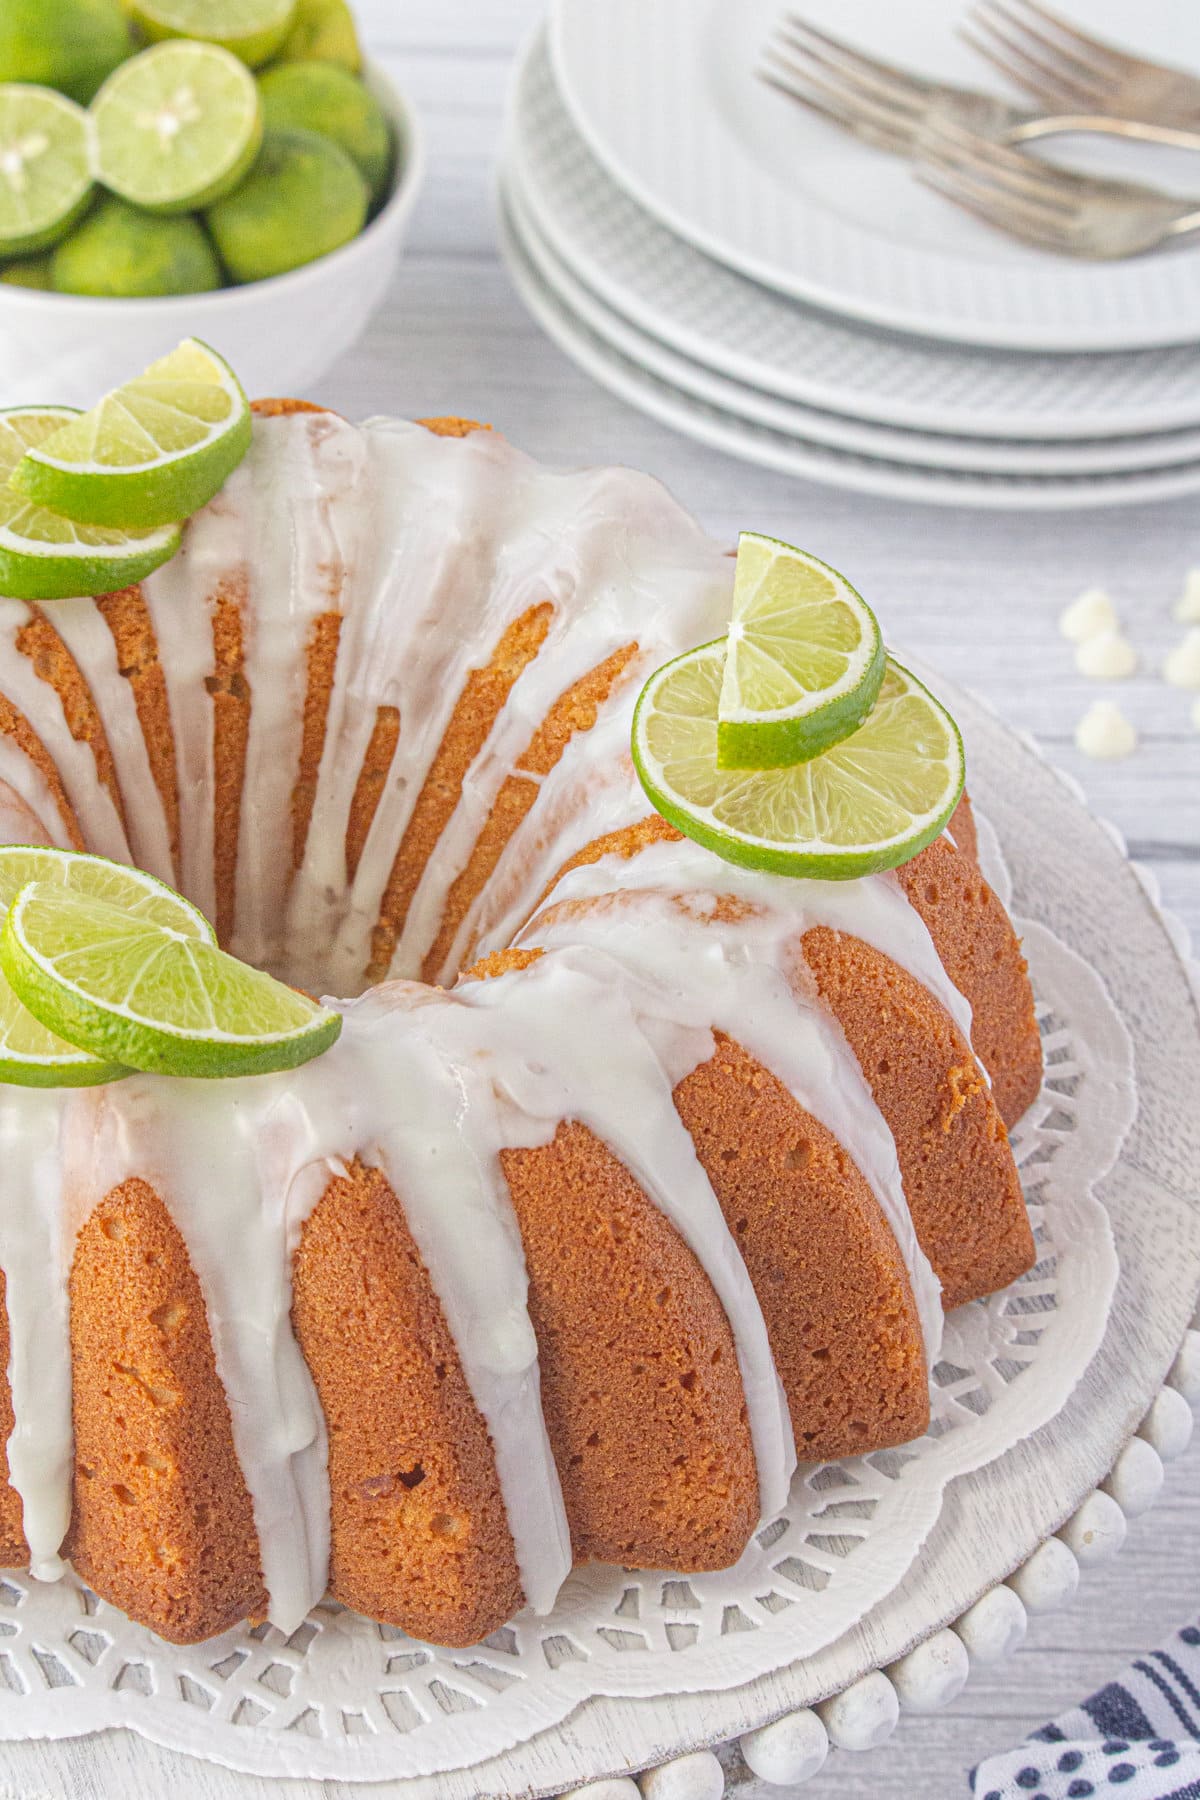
x,y
30,1054
45,167
323,31
252,29
805,660
320,97
121,252
177,126
71,45
150,997
46,557
150,452
303,198
28,272
870,803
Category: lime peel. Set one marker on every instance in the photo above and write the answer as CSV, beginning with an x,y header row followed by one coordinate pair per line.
x,y
870,803
150,452
805,658
145,995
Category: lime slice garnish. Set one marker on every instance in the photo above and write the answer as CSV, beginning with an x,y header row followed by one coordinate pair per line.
x,y
150,452
805,661
177,126
44,556
870,803
30,1054
252,29
45,167
150,996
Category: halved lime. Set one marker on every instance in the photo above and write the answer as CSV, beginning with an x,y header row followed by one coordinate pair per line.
x,y
252,29
805,661
150,996
46,557
870,803
30,1054
177,126
45,167
150,452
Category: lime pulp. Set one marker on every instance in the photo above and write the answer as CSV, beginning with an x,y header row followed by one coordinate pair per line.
x,y
253,30
45,167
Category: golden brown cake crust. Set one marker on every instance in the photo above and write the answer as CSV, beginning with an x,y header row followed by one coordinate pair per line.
x,y
162,1523
14,1551
829,1275
640,1384
420,1535
959,1177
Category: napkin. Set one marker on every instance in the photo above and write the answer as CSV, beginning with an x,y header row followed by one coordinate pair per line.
x,y
1138,1738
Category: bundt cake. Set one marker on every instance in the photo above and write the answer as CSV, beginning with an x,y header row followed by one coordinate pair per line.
x,y
633,1177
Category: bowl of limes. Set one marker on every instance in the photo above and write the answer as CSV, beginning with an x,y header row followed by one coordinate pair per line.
x,y
232,170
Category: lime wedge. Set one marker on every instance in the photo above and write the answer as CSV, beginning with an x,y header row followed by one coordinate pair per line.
x,y
252,29
30,1054
45,167
177,126
805,660
46,557
870,803
151,996
150,452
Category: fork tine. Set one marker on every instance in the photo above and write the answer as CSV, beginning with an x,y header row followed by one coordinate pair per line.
x,y
900,83
1037,34
1040,90
1021,173
829,107
1004,182
1091,52
892,96
833,87
1025,67
1033,229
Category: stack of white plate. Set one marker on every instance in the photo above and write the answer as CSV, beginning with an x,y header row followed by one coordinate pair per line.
x,y
738,268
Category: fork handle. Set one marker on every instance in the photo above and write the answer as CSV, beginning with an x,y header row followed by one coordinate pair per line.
x,y
1104,125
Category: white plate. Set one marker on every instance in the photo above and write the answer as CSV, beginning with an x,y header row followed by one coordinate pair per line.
x,y
806,458
921,450
744,331
666,96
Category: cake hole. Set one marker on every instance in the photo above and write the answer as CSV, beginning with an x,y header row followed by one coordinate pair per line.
x,y
146,1459
798,1156
123,1494
687,1380
113,1229
446,1525
411,1478
594,1439
932,893
170,1317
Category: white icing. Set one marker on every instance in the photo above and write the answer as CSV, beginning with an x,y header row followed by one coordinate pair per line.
x,y
427,549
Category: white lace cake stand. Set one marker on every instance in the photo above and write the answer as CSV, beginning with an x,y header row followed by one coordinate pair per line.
x,y
1070,875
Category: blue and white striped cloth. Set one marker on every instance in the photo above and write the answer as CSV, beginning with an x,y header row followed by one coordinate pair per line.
x,y
1137,1739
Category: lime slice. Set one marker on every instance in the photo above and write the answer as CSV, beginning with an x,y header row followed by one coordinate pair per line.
x,y
177,126
805,661
150,996
30,1054
46,557
252,29
45,167
152,451
870,803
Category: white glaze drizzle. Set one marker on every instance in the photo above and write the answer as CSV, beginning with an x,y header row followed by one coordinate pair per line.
x,y
405,534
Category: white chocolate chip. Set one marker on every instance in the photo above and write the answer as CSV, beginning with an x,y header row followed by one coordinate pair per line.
x,y
1187,607
1105,733
1092,613
1106,657
1182,666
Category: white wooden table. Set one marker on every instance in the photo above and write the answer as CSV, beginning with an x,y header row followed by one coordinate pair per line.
x,y
975,594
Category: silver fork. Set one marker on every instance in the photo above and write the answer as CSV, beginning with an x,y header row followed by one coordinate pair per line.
x,y
890,107
1056,209
1062,66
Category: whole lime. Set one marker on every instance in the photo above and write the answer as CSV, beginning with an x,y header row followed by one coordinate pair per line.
x,y
323,31
321,97
303,198
120,252
27,272
71,45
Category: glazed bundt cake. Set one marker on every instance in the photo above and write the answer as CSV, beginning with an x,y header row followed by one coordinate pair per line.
x,y
633,1177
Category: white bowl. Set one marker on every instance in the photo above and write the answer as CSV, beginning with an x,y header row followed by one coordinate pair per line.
x,y
279,335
